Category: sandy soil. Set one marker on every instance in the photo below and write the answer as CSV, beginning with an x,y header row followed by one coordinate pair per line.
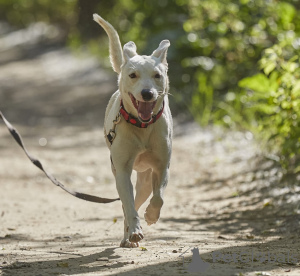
x,y
221,198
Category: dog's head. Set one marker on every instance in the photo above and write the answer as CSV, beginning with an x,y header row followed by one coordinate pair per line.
x,y
143,80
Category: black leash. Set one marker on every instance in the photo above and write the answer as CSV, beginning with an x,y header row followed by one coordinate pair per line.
x,y
13,131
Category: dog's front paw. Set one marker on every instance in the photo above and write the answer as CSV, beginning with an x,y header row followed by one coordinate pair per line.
x,y
136,236
151,215
152,212
126,243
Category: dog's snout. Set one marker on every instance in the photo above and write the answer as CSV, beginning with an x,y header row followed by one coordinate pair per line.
x,y
147,94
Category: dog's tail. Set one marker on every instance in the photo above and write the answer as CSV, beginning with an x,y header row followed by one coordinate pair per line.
x,y
115,48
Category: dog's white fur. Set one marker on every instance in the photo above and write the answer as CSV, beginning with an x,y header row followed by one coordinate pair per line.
x,y
146,150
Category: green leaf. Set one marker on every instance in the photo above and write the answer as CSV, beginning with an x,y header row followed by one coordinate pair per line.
x,y
296,89
259,83
271,65
267,204
297,169
286,12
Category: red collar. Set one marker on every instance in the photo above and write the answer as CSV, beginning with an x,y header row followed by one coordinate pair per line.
x,y
135,121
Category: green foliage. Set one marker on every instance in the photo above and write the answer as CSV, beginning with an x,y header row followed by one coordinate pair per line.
x,y
274,99
202,101
231,36
21,13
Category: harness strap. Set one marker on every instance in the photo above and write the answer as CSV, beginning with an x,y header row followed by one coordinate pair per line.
x,y
13,131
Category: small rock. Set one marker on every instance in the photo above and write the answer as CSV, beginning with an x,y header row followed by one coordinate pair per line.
x,y
174,251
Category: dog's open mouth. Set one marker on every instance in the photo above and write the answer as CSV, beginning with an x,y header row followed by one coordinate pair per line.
x,y
144,109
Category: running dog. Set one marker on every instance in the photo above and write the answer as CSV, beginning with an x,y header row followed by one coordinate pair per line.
x,y
138,130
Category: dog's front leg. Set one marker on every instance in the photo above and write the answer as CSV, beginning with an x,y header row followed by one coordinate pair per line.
x,y
160,179
132,228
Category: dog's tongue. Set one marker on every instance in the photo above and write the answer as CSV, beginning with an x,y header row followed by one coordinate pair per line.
x,y
145,110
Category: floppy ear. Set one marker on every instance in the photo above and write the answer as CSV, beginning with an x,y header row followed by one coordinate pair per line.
x,y
129,50
161,51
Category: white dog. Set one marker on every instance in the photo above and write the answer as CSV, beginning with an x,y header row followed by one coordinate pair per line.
x,y
138,130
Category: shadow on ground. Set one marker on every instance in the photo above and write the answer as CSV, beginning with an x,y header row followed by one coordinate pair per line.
x,y
264,200
256,256
66,266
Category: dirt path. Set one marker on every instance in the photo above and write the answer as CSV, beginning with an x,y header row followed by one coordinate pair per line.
x,y
220,200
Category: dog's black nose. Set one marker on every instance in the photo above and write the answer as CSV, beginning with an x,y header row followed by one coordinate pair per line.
x,y
147,94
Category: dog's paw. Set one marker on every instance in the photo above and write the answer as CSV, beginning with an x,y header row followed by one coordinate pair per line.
x,y
152,212
127,244
151,215
136,236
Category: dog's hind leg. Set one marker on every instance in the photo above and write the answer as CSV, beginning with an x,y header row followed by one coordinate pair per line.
x,y
143,187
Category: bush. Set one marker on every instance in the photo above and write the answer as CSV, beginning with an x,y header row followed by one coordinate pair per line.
x,y
273,97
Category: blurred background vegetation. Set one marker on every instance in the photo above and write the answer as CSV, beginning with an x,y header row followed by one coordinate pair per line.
x,y
234,63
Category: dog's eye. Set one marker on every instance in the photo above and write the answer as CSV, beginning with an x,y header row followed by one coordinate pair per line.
x,y
132,76
157,76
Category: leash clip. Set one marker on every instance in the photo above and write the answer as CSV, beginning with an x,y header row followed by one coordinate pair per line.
x,y
117,120
111,136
